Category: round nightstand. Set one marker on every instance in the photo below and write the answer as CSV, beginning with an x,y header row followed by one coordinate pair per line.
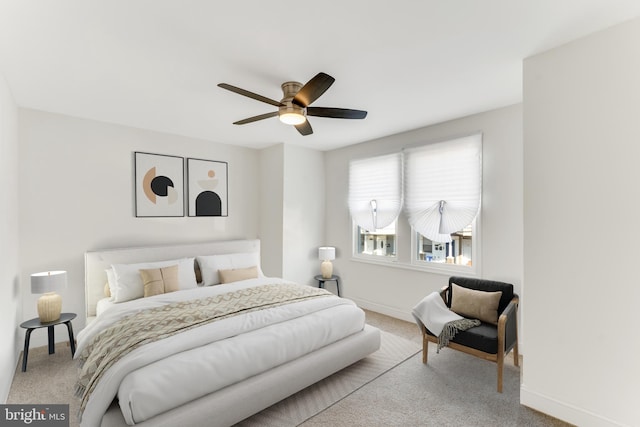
x,y
321,281
35,323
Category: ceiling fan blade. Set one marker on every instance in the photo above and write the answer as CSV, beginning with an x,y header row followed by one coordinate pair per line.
x,y
336,113
256,118
313,89
251,95
305,128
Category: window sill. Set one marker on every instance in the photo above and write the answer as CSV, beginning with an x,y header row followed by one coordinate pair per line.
x,y
434,268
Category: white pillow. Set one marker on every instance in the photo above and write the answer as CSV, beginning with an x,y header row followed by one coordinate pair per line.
x,y
129,283
209,265
111,279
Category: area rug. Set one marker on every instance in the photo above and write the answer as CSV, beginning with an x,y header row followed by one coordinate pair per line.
x,y
50,379
317,397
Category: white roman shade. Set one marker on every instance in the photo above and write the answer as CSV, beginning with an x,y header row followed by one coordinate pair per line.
x,y
375,190
443,186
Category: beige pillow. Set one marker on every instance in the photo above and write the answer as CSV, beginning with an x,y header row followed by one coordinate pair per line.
x,y
160,280
479,305
233,275
107,290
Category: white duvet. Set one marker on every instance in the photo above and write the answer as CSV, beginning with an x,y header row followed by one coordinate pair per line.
x,y
165,374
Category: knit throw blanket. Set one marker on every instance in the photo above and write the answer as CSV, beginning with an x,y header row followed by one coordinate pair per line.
x,y
452,328
440,320
154,324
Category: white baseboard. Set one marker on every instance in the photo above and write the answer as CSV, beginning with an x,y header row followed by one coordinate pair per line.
x,y
563,411
383,309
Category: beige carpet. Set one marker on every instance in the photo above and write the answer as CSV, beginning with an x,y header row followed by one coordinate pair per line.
x,y
454,389
49,379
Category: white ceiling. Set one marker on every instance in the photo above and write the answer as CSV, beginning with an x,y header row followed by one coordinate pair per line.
x,y
155,64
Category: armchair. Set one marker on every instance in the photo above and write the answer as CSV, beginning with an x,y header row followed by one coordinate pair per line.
x,y
488,341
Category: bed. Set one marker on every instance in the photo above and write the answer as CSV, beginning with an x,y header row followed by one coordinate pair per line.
x,y
207,353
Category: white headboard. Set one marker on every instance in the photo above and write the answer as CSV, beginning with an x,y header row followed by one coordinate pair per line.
x,y
96,262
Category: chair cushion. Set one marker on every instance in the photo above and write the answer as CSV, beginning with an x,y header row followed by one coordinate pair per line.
x,y
483,338
481,305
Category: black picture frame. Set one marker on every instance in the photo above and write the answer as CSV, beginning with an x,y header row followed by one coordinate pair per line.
x,y
207,188
158,185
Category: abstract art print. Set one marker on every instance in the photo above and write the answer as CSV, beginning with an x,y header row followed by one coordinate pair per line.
x,y
208,187
159,185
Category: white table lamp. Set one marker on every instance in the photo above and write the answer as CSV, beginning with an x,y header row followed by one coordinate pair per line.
x,y
47,283
326,254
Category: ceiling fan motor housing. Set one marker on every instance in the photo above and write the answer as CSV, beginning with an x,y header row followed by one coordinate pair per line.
x,y
289,109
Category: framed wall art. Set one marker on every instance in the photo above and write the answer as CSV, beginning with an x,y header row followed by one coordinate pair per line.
x,y
159,185
207,187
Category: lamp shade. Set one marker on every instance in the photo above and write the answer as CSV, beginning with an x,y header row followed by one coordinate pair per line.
x,y
48,281
327,253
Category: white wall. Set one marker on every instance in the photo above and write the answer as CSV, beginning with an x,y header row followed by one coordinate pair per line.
x,y
76,194
292,196
271,209
393,290
581,211
303,216
10,307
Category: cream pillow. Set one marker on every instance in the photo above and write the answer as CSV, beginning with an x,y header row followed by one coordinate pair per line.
x,y
479,305
158,281
234,275
211,264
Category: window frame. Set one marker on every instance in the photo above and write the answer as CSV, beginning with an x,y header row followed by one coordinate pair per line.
x,y
413,263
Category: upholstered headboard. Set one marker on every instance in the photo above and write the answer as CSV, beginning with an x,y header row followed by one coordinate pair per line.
x,y
96,262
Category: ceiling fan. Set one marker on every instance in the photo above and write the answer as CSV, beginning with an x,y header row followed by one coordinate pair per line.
x,y
294,107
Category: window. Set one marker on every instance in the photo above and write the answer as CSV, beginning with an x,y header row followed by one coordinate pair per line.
x,y
439,188
443,186
375,200
459,251
380,242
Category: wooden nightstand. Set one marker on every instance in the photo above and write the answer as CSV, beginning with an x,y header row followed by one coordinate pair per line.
x,y
35,323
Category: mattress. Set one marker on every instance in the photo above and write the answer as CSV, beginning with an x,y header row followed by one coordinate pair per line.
x,y
195,373
163,375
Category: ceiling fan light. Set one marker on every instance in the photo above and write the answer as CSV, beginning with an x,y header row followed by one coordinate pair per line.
x,y
292,118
